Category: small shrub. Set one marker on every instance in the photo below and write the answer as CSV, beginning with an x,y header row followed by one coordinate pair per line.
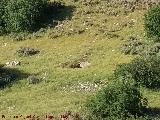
x,y
145,71
152,23
133,47
119,99
152,50
156,48
26,51
33,80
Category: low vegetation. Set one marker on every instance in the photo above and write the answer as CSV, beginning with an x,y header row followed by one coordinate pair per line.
x,y
144,71
133,46
26,51
119,100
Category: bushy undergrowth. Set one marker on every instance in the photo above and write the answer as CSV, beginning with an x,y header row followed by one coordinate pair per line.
x,y
152,23
151,50
145,71
119,99
133,46
21,15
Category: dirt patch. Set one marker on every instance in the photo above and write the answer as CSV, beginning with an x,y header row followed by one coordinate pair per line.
x,y
82,62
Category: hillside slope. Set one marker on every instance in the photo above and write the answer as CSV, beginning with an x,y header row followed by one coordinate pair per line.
x,y
87,31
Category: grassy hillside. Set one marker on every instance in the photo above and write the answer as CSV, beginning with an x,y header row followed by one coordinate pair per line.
x,y
90,31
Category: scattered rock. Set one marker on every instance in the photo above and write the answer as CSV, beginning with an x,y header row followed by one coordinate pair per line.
x,y
26,51
33,79
4,45
12,63
84,64
79,64
59,27
85,86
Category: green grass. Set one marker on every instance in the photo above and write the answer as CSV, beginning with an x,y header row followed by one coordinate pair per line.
x,y
47,96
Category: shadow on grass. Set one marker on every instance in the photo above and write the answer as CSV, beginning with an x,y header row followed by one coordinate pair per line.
x,y
51,15
154,113
57,11
10,75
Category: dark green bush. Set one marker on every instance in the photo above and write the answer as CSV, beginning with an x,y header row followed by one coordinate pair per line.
x,y
23,15
2,7
145,71
152,23
119,99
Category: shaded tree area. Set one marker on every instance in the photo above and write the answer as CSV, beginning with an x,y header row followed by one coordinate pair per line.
x,y
57,11
31,15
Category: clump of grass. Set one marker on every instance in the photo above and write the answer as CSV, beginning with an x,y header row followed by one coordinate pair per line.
x,y
26,51
151,50
133,46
